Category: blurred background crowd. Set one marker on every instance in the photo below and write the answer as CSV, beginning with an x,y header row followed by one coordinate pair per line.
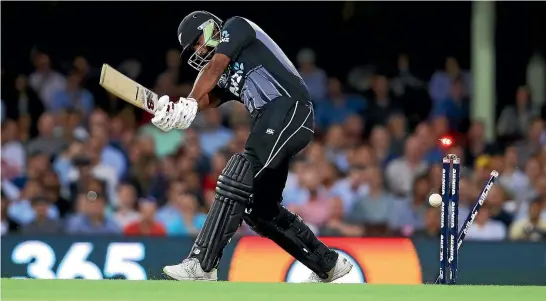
x,y
77,160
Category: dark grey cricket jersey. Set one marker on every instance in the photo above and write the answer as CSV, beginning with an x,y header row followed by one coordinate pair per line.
x,y
259,71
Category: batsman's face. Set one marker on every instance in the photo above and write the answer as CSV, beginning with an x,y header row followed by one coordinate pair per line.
x,y
200,47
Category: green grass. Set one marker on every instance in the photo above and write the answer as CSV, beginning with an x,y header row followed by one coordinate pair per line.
x,y
122,290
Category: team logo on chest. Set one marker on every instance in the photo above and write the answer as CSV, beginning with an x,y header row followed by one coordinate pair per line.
x,y
235,78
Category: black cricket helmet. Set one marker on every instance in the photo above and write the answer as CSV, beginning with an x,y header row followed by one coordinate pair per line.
x,y
191,28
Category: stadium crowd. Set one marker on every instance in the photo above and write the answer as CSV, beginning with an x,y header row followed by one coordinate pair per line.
x,y
76,160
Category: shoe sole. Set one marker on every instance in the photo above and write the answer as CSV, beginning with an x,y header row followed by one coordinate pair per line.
x,y
186,279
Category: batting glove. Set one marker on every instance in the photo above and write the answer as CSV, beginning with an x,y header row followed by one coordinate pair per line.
x,y
177,115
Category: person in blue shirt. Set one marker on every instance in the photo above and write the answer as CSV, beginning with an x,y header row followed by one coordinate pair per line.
x,y
337,106
185,218
455,107
74,96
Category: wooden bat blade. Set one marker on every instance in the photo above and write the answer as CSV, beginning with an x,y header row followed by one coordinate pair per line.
x,y
127,89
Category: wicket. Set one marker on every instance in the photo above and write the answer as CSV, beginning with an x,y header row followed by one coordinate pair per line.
x,y
450,238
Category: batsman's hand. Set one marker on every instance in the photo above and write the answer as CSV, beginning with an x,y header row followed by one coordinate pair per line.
x,y
174,115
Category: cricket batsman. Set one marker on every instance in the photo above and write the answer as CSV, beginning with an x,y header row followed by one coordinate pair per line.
x,y
241,61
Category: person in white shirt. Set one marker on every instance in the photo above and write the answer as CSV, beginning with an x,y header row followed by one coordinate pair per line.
x,y
46,81
401,172
13,152
484,228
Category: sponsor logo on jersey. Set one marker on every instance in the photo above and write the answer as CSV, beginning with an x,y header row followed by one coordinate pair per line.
x,y
225,37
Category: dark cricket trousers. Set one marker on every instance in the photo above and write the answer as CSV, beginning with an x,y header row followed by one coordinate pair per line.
x,y
278,133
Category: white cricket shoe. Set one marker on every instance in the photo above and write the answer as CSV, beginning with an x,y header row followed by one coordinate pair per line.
x,y
190,269
342,268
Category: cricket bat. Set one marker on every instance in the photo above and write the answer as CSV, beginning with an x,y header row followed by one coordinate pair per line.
x,y
127,89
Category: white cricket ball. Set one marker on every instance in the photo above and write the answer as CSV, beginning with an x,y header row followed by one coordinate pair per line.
x,y
435,200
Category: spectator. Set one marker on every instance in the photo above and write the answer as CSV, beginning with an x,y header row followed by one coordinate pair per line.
x,y
73,96
396,124
374,209
46,141
92,218
38,164
336,225
354,130
434,180
441,81
352,187
315,153
42,223
337,106
515,119
88,167
432,225
52,191
405,79
169,212
477,144
380,142
71,126
63,163
8,225
173,64
146,176
329,174
214,136
335,147
13,152
539,190
511,177
533,227
21,210
218,162
146,225
484,228
237,113
532,175
90,80
28,109
314,77
314,205
432,150
408,216
165,85
532,143
237,144
496,200
168,166
411,91
165,143
362,155
201,163
454,107
109,155
401,172
193,181
483,165
126,205
188,219
382,102
46,81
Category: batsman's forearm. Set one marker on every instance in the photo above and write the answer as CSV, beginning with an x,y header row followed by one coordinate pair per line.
x,y
205,82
